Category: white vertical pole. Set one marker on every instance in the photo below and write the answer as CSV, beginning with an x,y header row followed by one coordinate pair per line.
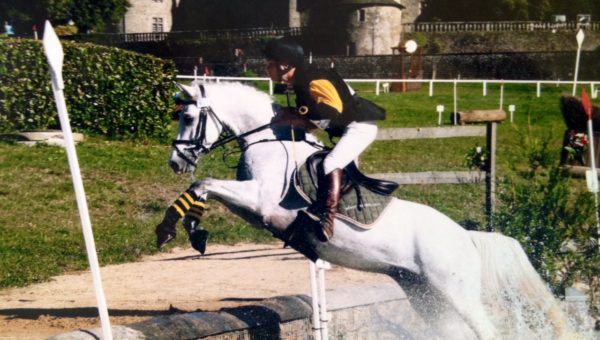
x,y
501,95
484,88
270,87
587,105
580,36
322,266
377,87
54,53
431,88
455,104
316,320
538,90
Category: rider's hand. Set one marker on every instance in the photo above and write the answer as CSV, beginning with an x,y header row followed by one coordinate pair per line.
x,y
288,117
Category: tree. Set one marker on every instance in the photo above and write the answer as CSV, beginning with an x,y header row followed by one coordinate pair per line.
x,y
87,15
94,15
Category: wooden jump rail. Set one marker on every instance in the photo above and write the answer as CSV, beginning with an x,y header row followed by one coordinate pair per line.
x,y
489,130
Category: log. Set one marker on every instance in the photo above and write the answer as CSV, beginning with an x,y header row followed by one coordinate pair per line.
x,y
427,133
433,177
481,116
577,170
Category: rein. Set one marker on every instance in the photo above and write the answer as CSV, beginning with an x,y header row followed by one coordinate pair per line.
x,y
227,136
195,145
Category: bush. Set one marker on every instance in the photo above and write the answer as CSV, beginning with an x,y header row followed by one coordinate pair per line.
x,y
552,216
108,91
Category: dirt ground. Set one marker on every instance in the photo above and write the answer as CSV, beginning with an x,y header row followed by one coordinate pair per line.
x,y
178,281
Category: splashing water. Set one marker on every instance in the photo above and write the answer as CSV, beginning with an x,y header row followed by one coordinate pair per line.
x,y
520,303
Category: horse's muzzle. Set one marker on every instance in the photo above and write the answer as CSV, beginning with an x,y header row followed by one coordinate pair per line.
x,y
177,168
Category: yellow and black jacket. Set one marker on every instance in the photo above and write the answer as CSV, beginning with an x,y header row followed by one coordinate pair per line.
x,y
327,97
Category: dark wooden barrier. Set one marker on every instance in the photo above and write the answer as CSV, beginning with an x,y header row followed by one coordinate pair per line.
x,y
490,118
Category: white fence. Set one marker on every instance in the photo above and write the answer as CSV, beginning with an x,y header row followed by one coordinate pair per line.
x,y
384,84
499,26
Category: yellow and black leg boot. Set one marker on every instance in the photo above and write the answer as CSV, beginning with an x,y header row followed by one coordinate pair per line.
x,y
333,187
165,230
191,222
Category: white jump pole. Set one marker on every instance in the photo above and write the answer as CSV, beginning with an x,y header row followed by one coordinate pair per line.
x,y
314,293
580,36
323,266
54,53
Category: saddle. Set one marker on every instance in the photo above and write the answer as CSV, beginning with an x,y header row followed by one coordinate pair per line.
x,y
363,198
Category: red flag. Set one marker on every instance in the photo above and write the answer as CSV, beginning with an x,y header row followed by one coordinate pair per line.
x,y
587,104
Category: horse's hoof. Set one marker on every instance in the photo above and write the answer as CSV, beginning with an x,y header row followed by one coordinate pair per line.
x,y
165,233
163,239
199,239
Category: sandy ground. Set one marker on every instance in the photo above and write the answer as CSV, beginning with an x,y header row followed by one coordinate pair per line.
x,y
178,281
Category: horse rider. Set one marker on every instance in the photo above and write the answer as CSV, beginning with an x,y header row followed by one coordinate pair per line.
x,y
323,100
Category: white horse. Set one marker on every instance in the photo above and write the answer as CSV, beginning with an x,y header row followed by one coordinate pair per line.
x,y
446,271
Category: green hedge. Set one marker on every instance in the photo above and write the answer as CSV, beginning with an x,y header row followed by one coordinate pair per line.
x,y
108,91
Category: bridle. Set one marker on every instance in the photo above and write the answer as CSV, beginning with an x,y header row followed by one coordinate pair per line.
x,y
191,149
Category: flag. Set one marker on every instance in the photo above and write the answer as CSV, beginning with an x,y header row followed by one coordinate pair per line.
x,y
587,104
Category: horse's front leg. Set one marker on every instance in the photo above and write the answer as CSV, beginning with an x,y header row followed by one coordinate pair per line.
x,y
254,201
239,195
244,195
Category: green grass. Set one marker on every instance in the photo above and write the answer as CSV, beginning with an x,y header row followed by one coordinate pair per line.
x,y
128,185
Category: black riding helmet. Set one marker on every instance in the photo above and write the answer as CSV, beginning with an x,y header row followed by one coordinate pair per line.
x,y
286,51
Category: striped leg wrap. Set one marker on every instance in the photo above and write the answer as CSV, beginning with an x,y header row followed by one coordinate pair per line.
x,y
187,203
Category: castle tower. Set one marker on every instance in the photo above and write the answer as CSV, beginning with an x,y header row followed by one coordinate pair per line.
x,y
294,14
371,27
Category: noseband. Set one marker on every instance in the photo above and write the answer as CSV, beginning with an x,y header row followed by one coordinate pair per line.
x,y
194,147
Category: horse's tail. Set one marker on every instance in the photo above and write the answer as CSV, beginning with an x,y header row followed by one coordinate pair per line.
x,y
511,284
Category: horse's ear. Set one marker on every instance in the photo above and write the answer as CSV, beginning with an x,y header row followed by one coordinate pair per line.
x,y
188,91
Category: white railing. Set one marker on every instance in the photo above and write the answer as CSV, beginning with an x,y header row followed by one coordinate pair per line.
x,y
385,83
498,26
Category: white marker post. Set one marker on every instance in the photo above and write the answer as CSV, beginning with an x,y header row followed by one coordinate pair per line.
x,y
440,110
592,174
54,53
580,36
511,109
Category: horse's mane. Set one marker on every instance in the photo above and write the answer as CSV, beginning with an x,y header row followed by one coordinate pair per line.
x,y
240,98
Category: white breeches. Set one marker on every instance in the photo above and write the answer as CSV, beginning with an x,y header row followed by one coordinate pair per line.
x,y
357,137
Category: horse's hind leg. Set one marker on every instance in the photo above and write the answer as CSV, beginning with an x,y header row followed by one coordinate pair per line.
x,y
443,322
463,293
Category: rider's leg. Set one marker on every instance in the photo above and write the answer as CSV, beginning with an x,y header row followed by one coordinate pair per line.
x,y
332,191
357,137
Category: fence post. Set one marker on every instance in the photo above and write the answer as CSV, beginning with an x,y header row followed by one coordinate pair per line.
x,y
431,88
490,175
538,91
455,103
377,88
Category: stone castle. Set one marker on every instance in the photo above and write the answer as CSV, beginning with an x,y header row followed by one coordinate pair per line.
x,y
347,27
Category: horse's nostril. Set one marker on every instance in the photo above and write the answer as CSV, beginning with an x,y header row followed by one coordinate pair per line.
x,y
174,165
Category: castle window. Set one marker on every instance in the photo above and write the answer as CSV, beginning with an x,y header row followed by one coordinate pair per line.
x,y
157,24
362,15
